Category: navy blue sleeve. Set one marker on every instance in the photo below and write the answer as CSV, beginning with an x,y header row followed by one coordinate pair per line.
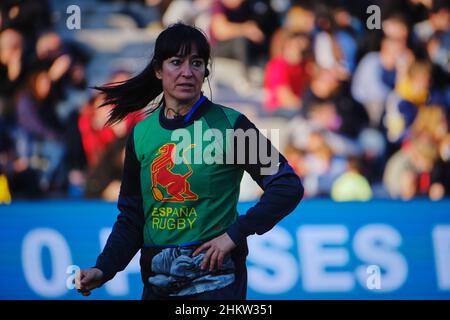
x,y
126,237
283,189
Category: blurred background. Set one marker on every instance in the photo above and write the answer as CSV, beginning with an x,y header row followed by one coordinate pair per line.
x,y
361,99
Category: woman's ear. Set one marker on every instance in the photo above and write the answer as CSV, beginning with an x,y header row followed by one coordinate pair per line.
x,y
158,74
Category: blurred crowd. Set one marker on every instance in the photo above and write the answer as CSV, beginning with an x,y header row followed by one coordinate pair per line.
x,y
53,137
367,109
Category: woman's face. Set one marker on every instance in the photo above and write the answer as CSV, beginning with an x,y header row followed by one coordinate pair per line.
x,y
182,77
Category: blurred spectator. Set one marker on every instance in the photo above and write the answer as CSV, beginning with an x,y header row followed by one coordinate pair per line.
x,y
11,61
413,10
327,51
394,26
352,185
373,145
40,139
27,16
438,21
431,121
161,6
323,118
438,53
193,12
287,75
96,137
347,30
430,126
21,179
407,172
326,87
241,30
440,174
411,92
101,145
375,76
322,166
50,53
435,32
65,62
103,178
299,19
12,70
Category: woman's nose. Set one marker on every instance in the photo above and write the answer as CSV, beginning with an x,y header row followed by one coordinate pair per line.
x,y
186,70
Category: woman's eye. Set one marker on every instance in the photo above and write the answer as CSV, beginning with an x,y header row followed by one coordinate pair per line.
x,y
175,62
197,63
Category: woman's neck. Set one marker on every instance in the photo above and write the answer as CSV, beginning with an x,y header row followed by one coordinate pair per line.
x,y
174,108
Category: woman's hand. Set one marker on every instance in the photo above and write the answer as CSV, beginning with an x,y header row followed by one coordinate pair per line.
x,y
217,249
88,279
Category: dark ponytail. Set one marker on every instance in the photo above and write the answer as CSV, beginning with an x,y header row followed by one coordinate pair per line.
x,y
131,95
136,93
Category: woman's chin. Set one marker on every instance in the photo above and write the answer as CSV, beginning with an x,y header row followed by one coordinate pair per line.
x,y
186,96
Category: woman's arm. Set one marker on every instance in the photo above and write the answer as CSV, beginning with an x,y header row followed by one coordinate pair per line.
x,y
283,189
126,237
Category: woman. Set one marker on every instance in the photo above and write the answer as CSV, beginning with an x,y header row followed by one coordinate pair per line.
x,y
182,215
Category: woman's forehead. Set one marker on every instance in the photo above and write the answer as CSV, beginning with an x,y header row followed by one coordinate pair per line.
x,y
187,50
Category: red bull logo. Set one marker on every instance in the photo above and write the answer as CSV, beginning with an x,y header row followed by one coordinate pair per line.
x,y
176,186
